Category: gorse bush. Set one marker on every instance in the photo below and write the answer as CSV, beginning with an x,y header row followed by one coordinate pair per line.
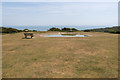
x,y
34,30
13,30
115,30
63,29
73,29
8,30
54,29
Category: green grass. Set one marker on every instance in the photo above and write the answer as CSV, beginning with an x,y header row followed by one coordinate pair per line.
x,y
89,57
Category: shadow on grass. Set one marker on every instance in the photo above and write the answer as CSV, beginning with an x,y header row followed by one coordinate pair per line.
x,y
26,38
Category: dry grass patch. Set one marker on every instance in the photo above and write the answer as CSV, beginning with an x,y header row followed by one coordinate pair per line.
x,y
89,57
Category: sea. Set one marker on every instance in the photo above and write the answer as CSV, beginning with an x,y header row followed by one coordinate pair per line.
x,y
45,28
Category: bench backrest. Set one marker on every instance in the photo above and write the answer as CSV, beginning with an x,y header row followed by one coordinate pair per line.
x,y
28,34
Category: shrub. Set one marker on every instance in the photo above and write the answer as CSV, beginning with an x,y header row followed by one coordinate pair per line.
x,y
54,29
63,29
73,29
66,29
34,30
86,30
111,31
27,30
118,32
9,30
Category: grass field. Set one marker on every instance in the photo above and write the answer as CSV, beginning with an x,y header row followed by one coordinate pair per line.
x,y
95,56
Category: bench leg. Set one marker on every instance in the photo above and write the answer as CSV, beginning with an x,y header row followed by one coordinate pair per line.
x,y
25,36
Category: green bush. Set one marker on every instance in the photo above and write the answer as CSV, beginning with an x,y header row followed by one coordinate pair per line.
x,y
66,29
63,29
86,30
73,29
8,30
115,30
54,29
111,31
118,32
34,30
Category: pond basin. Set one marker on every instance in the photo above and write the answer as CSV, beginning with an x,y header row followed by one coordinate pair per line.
x,y
60,35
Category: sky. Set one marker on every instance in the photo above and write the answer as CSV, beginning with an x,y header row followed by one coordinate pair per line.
x,y
59,13
60,0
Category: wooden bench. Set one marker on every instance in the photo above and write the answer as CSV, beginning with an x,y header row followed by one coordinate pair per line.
x,y
28,34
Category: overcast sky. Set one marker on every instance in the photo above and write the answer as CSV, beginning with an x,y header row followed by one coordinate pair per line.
x,y
60,13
